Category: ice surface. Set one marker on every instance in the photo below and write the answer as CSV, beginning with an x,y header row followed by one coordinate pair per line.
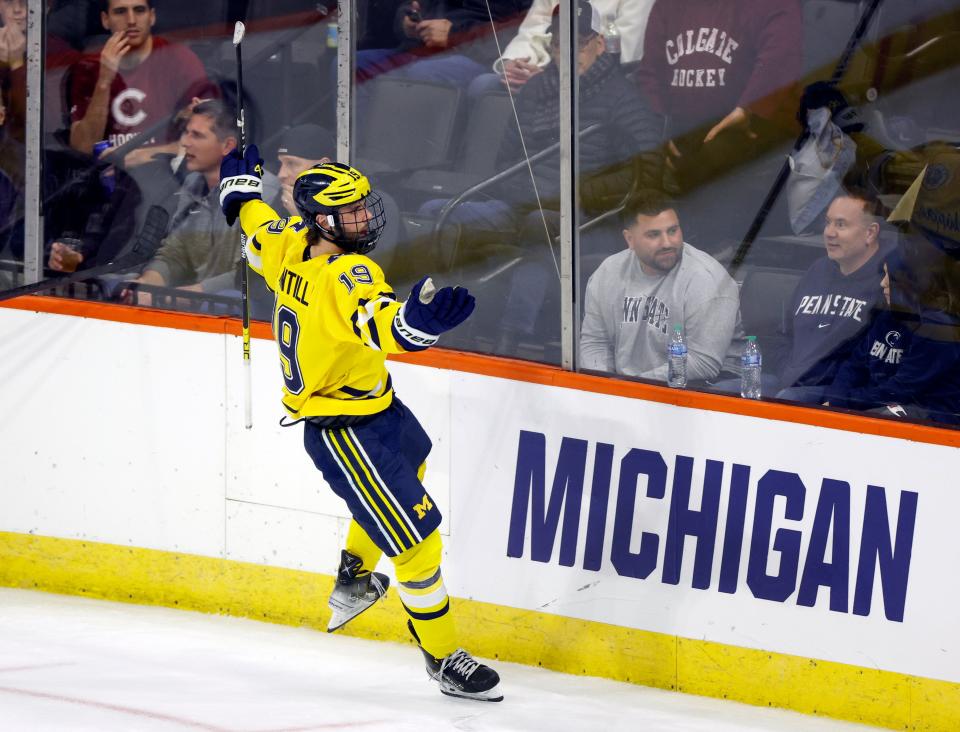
x,y
71,663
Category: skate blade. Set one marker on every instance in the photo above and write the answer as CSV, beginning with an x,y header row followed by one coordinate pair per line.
x,y
490,695
339,618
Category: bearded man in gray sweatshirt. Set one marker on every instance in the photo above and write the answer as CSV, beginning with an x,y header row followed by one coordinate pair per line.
x,y
637,296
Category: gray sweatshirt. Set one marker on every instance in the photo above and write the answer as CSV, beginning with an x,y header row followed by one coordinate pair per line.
x,y
200,247
629,316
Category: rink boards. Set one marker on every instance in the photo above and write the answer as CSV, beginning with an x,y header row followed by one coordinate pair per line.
x,y
751,551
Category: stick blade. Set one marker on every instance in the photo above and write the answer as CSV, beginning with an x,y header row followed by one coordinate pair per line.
x,y
238,32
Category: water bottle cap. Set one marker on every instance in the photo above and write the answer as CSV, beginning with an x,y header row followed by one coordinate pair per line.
x,y
752,339
677,328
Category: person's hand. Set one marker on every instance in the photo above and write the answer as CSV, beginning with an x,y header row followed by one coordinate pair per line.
x,y
134,296
286,198
184,114
737,119
13,46
240,181
411,18
112,54
517,72
824,94
428,312
673,154
434,33
64,258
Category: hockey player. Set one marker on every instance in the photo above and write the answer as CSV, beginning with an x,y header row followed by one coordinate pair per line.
x,y
335,320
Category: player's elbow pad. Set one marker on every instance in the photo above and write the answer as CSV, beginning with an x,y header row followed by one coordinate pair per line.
x,y
253,253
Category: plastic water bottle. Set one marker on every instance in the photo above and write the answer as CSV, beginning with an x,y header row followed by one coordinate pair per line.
x,y
751,363
677,359
611,36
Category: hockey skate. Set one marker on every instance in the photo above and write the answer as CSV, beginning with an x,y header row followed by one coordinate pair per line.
x,y
460,675
353,593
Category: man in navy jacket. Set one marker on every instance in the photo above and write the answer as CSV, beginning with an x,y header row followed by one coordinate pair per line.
x,y
833,302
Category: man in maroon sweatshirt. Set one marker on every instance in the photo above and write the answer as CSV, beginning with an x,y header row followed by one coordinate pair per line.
x,y
719,71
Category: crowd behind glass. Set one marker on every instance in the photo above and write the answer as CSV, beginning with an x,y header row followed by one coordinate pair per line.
x,y
783,169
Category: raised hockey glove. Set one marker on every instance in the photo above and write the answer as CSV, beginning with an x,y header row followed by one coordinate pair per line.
x,y
428,312
240,181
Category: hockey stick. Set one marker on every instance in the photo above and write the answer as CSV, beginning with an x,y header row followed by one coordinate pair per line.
x,y
774,193
154,228
238,32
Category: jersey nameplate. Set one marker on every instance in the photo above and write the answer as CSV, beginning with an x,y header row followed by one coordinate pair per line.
x,y
294,285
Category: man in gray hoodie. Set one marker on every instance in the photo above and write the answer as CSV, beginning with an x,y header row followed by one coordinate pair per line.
x,y
637,296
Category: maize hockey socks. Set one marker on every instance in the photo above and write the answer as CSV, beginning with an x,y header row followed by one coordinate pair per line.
x,y
353,593
460,675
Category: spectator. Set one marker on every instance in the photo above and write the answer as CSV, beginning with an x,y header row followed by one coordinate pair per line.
x,y
301,148
112,208
834,300
201,252
908,364
637,296
628,127
528,53
448,42
621,148
12,160
13,57
13,34
717,72
135,81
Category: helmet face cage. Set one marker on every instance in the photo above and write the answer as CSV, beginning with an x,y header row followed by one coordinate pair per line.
x,y
347,235
342,195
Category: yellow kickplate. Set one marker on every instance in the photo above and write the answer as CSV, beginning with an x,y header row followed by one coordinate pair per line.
x,y
292,597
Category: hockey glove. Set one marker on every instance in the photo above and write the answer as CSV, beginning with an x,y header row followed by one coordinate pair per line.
x,y
825,94
240,181
428,312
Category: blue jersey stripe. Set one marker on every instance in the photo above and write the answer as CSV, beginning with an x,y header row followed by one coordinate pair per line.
x,y
377,494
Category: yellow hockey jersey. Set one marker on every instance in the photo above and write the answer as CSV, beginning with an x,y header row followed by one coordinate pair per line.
x,y
333,319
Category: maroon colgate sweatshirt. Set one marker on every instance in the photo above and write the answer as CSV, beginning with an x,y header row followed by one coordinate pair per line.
x,y
703,58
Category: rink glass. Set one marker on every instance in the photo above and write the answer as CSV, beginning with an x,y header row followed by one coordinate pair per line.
x,y
428,126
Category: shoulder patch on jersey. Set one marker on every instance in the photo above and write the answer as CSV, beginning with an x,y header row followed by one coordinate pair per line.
x,y
276,227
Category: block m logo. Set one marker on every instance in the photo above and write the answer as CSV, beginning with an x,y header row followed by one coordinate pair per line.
x,y
422,507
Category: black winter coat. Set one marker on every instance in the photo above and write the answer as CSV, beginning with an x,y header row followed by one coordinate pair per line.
x,y
630,135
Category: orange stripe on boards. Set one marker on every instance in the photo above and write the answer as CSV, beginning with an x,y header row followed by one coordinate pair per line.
x,y
515,370
138,316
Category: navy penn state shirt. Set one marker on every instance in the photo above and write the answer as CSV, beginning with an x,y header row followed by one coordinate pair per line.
x,y
830,312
